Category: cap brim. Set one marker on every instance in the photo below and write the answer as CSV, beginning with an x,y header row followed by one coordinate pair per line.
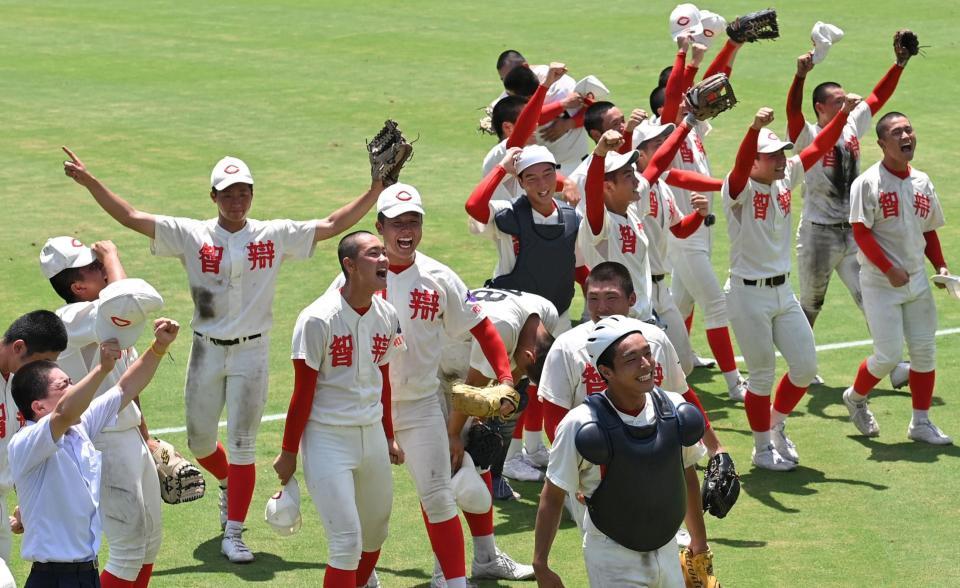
x,y
622,161
691,30
227,182
774,147
664,130
520,170
395,211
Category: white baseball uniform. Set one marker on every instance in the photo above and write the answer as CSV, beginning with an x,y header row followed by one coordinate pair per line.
x,y
764,316
10,422
129,487
609,563
346,462
232,280
898,212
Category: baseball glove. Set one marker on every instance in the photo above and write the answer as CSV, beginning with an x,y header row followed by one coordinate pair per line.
x,y
710,97
905,45
698,569
483,403
748,28
483,445
721,485
180,480
486,122
389,151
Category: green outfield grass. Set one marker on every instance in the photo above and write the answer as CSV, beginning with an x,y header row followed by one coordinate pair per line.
x,y
151,95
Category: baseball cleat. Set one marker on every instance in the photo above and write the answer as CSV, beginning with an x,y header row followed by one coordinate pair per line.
x,y
900,375
374,581
223,508
517,468
234,548
817,381
860,414
927,432
501,567
502,489
703,362
538,458
738,391
783,444
438,581
770,459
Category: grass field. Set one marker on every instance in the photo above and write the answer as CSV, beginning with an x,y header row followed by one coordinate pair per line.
x,y
150,95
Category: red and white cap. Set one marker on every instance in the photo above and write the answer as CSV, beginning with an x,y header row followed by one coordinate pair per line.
x,y
713,24
283,509
685,20
769,142
60,253
824,36
230,171
125,306
614,161
647,130
398,199
469,489
532,155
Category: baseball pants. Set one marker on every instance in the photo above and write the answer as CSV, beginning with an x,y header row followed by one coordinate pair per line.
x,y
820,251
764,318
129,502
611,564
347,471
6,536
6,576
420,429
676,331
235,375
895,315
694,281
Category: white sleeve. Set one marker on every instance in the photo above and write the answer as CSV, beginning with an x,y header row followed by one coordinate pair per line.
x,y
563,469
795,172
674,379
310,340
863,202
462,311
102,412
80,319
935,219
729,202
31,447
298,237
170,236
557,383
693,454
860,119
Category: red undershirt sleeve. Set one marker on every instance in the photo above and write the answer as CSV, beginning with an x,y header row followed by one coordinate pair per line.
x,y
689,75
693,181
933,251
884,89
301,403
627,144
795,121
745,157
478,204
387,418
560,180
552,415
593,188
824,141
551,111
578,117
687,226
580,274
665,152
721,63
526,122
493,349
673,92
870,248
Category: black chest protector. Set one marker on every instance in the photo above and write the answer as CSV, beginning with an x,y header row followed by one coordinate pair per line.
x,y
546,256
642,499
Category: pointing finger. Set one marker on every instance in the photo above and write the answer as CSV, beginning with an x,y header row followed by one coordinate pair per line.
x,y
72,155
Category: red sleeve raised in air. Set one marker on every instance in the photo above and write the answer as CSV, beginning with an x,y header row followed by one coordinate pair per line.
x,y
478,204
673,92
665,152
526,122
745,157
593,187
693,181
795,121
884,88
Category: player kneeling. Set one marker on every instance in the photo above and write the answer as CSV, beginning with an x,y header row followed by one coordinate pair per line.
x,y
341,346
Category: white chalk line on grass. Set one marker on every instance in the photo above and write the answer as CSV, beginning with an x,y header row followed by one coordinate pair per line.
x,y
824,347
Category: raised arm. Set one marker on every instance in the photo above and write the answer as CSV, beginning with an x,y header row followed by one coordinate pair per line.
x,y
108,255
827,138
528,118
593,186
673,92
723,62
478,203
77,398
693,181
667,150
121,210
795,119
135,379
637,116
697,51
885,87
748,153
349,214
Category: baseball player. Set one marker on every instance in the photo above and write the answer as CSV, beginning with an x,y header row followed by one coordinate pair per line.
x,y
431,301
644,488
765,314
129,488
32,337
232,263
339,413
895,214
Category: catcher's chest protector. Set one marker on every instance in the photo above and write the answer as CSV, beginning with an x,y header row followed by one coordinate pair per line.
x,y
642,499
546,257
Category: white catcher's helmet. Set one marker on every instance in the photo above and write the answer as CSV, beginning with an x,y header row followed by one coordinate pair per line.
x,y
608,330
283,509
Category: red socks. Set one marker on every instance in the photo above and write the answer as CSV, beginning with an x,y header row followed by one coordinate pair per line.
x,y
368,561
108,580
689,322
758,412
722,348
481,525
215,463
446,538
921,389
518,428
143,578
337,578
788,395
241,480
691,397
865,380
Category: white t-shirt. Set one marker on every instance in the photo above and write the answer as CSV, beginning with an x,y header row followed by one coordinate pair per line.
x,y
660,213
10,422
758,223
898,212
232,276
347,350
568,469
83,354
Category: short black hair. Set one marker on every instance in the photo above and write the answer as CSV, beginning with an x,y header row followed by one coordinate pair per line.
x,y
820,92
510,56
882,123
63,281
521,81
664,76
507,109
611,271
544,343
32,383
40,330
349,247
593,117
657,99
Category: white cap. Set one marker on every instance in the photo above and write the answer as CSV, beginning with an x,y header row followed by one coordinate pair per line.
x,y
608,330
398,199
769,142
592,85
685,20
283,509
60,253
532,155
823,36
614,161
469,489
229,171
125,306
647,130
713,24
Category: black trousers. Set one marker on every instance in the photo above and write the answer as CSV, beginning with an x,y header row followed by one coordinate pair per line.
x,y
63,578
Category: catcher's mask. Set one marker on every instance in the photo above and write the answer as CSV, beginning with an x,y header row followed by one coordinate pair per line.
x,y
283,509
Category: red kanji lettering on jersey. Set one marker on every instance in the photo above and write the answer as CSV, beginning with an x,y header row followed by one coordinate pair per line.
x,y
628,239
921,205
341,351
853,147
260,254
3,420
380,344
889,204
830,159
425,304
783,199
210,258
699,144
658,375
592,380
654,204
673,209
760,203
686,153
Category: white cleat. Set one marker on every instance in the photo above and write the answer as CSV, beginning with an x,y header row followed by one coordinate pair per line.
x,y
817,381
783,444
539,458
770,459
703,362
234,548
438,581
374,581
927,432
223,508
738,391
900,376
517,468
860,415
501,567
